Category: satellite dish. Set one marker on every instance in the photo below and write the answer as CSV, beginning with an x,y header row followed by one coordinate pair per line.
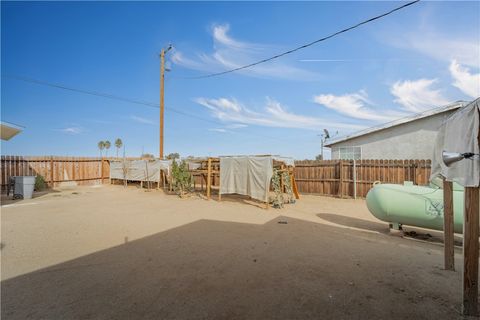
x,y
327,134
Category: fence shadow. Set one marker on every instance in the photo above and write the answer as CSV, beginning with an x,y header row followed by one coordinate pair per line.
x,y
8,200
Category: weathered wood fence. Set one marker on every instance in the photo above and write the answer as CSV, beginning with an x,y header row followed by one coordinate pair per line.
x,y
327,177
55,170
343,178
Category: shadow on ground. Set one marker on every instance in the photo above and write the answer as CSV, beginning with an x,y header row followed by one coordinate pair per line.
x,y
8,199
382,227
223,270
355,222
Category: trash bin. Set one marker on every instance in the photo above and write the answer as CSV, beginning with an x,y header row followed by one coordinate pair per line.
x,y
24,186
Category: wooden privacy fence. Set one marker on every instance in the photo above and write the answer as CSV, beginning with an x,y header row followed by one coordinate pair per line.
x,y
344,178
327,177
56,170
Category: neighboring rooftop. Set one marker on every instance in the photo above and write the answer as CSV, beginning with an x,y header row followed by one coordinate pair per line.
x,y
417,116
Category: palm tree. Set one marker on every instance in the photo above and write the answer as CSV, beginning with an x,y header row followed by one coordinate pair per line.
x,y
107,146
118,144
101,146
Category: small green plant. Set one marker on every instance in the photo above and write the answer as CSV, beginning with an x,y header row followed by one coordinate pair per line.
x,y
40,183
182,180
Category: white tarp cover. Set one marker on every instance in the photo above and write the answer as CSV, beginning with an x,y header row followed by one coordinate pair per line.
x,y
246,175
459,133
139,170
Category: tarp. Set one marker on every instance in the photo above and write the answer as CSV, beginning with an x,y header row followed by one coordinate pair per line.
x,y
139,170
458,133
246,175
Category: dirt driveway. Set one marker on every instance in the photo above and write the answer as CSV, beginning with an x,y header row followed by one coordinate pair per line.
x,y
115,253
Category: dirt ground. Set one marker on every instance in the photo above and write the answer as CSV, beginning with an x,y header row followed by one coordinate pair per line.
x,y
107,252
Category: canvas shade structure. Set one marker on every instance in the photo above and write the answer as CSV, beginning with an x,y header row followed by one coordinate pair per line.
x,y
245,175
459,133
139,170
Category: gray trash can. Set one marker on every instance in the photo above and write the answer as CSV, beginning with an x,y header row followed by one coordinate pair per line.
x,y
24,186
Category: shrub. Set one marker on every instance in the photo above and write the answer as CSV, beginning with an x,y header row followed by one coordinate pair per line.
x,y
40,183
182,180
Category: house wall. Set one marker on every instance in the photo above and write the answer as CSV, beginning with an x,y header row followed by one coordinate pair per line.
x,y
412,140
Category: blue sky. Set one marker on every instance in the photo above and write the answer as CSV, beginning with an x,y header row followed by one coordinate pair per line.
x,y
421,57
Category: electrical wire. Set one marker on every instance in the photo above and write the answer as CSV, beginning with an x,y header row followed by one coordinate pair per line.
x,y
128,100
305,45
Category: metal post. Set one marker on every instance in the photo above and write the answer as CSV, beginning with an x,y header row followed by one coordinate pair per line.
x,y
321,151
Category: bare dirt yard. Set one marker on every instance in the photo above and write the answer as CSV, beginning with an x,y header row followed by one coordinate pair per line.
x,y
108,252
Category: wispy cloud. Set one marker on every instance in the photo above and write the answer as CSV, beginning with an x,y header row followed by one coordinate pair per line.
x,y
272,115
237,126
418,95
142,120
221,130
354,105
465,80
230,53
72,130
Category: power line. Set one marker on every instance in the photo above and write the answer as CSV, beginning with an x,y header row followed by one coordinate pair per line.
x,y
124,99
306,45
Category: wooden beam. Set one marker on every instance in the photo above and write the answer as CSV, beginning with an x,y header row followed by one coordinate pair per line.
x,y
162,107
294,186
209,177
219,188
448,237
340,180
470,252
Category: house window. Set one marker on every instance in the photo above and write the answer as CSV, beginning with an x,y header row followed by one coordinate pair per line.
x,y
347,153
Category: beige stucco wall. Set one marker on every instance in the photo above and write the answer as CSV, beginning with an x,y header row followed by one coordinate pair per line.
x,y
412,140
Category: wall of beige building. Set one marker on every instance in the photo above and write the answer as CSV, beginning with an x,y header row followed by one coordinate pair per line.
x,y
412,140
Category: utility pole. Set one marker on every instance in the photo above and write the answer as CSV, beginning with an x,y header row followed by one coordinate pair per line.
x,y
321,152
162,105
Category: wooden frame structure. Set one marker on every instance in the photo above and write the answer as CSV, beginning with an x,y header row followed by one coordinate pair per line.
x,y
209,170
470,242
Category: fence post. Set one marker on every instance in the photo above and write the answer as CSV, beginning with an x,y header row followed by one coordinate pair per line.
x,y
470,251
414,166
209,177
101,169
448,225
354,179
51,172
340,183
